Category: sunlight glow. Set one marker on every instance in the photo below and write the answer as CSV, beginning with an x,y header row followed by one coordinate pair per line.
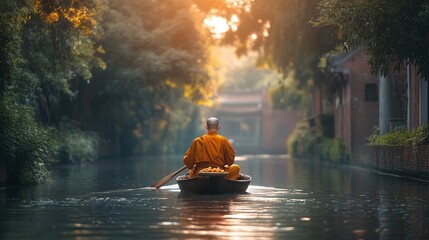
x,y
233,22
244,4
266,27
217,25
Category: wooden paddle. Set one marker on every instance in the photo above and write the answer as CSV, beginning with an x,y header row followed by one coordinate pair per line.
x,y
167,178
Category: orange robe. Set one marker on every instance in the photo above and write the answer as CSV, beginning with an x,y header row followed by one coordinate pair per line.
x,y
210,150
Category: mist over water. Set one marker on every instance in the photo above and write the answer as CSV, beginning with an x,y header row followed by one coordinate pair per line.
x,y
287,199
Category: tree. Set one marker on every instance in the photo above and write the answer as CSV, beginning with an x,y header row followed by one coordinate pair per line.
x,y
280,31
60,47
389,31
157,63
241,73
41,46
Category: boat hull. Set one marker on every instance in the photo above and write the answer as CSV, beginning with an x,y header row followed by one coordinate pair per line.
x,y
213,184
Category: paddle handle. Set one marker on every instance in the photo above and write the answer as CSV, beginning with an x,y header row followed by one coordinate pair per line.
x,y
167,178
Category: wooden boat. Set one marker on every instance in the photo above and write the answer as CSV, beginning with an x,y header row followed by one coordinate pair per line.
x,y
213,183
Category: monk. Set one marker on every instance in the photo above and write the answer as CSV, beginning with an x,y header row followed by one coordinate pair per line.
x,y
211,150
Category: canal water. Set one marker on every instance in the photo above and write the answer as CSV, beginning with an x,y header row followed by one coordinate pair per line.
x,y
287,199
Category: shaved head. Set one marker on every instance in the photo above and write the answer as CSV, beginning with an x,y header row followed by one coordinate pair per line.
x,y
213,123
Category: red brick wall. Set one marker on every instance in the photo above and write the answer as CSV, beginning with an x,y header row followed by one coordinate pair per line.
x,y
415,95
403,160
356,118
342,115
399,95
363,115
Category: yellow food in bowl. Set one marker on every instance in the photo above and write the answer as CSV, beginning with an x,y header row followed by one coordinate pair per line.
x,y
212,170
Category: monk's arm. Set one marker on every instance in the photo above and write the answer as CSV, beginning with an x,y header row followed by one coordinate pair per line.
x,y
189,158
229,152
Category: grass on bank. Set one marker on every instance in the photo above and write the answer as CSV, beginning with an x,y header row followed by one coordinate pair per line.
x,y
26,147
309,142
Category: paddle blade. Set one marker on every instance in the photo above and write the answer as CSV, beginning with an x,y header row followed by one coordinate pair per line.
x,y
167,178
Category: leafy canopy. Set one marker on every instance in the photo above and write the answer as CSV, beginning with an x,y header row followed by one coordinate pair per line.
x,y
158,63
280,31
389,31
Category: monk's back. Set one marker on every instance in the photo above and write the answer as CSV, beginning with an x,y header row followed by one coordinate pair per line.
x,y
211,148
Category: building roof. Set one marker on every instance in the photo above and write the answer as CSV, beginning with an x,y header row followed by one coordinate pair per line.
x,y
336,63
242,101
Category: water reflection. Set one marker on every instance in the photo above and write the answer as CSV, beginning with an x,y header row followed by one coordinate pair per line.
x,y
286,200
206,216
255,215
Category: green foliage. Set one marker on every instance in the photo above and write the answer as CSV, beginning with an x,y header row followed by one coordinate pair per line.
x,y
285,39
311,142
420,135
333,150
389,31
24,145
14,78
401,136
75,146
304,141
59,47
158,67
288,95
44,46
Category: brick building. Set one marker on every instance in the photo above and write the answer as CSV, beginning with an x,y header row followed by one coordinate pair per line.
x,y
407,160
248,120
419,99
356,101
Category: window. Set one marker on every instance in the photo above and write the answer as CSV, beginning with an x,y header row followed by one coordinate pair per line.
x,y
371,92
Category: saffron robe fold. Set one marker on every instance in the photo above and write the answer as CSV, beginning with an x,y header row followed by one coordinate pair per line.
x,y
209,150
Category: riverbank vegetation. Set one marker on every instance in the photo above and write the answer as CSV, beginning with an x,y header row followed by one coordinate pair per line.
x,y
401,136
74,146
314,140
128,75
132,75
45,46
24,143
